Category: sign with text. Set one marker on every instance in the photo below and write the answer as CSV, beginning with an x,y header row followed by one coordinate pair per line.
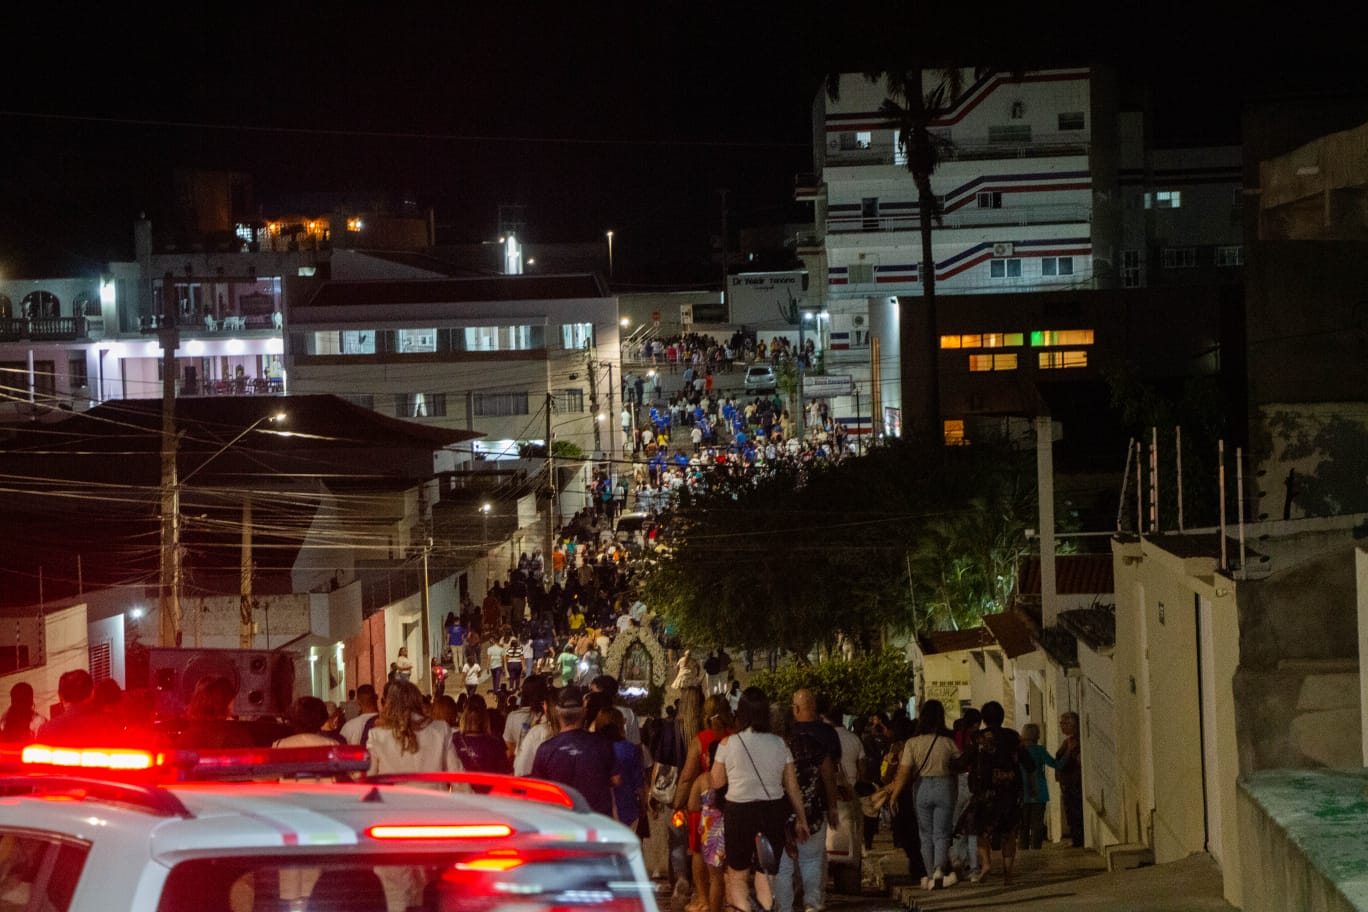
x,y
826,386
765,299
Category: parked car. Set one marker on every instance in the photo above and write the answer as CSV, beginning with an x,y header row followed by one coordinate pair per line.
x,y
760,378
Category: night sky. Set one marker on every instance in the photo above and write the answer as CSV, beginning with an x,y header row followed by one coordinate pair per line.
x,y
593,115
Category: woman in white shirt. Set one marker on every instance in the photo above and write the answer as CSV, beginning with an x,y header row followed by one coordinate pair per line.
x,y
756,767
406,740
929,760
495,654
473,672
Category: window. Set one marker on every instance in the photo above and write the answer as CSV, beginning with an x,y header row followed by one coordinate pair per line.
x,y
869,213
861,273
76,372
1005,269
417,340
1015,133
1130,269
1230,256
420,405
100,654
979,363
358,342
899,153
1164,199
498,405
848,142
569,401
1073,120
982,340
40,872
990,200
1062,359
863,140
1056,266
954,433
1180,257
576,336
1049,337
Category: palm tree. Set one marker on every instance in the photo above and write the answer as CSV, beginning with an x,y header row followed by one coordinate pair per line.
x,y
911,111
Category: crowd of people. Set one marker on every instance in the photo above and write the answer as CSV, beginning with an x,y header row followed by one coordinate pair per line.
x,y
956,795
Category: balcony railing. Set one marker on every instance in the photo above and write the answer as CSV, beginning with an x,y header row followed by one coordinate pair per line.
x,y
242,386
42,329
1043,146
1050,214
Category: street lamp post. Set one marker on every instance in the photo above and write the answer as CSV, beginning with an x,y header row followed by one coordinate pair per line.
x,y
484,541
610,254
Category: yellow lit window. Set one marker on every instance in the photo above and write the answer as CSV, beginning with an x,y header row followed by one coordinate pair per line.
x,y
1063,359
1042,338
950,341
980,363
1004,362
954,433
974,340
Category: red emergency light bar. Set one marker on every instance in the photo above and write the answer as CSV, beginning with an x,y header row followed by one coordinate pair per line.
x,y
495,784
243,763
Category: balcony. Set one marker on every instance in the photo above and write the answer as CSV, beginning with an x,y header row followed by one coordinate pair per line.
x,y
1046,145
43,329
241,386
1049,214
202,322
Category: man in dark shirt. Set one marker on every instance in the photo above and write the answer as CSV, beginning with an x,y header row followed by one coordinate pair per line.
x,y
581,759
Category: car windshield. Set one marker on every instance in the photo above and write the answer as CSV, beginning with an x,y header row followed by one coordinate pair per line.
x,y
498,881
759,371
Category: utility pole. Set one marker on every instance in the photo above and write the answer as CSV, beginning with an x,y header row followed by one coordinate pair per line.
x,y
611,419
725,258
245,607
593,401
169,596
426,624
552,513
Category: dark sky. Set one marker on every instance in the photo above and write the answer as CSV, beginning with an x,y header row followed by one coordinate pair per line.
x,y
593,115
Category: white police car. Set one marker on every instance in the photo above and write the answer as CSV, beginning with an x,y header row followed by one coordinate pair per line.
x,y
98,831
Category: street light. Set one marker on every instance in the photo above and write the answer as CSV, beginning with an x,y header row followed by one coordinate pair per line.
x,y
169,601
484,541
610,253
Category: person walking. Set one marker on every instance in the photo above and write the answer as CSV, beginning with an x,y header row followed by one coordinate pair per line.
x,y
756,766
995,761
928,763
472,671
577,757
406,739
816,750
477,747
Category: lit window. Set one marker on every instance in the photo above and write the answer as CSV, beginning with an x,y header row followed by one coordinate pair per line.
x,y
1168,199
1230,256
245,233
862,140
1180,257
1005,269
1071,121
972,340
1044,338
1005,362
950,342
979,363
1002,340
1056,266
954,433
899,153
495,405
1055,360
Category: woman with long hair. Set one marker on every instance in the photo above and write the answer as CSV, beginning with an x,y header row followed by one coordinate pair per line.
x,y
21,721
718,722
408,740
479,749
757,768
928,764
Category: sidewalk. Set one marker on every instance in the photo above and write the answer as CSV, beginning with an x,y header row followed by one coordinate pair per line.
x,y
1060,879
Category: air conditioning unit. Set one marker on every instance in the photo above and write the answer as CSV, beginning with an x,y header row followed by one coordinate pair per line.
x,y
1002,249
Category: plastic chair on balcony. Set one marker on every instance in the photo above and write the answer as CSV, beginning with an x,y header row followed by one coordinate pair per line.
x,y
210,323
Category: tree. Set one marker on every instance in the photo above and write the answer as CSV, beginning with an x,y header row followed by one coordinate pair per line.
x,y
875,682
804,557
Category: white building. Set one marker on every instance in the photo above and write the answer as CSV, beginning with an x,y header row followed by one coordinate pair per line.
x,y
1030,183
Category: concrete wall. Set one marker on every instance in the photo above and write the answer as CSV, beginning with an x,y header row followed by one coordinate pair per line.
x,y
67,648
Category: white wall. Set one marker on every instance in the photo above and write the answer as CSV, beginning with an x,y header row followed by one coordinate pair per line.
x,y
66,647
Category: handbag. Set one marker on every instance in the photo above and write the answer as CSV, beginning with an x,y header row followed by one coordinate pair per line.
x,y
665,783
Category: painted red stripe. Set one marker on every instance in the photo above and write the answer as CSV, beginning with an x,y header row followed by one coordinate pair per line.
x,y
972,195
912,278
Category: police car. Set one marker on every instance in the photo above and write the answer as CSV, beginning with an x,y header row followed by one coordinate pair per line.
x,y
87,830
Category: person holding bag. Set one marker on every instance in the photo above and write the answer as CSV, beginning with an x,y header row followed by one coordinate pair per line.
x,y
757,769
928,760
